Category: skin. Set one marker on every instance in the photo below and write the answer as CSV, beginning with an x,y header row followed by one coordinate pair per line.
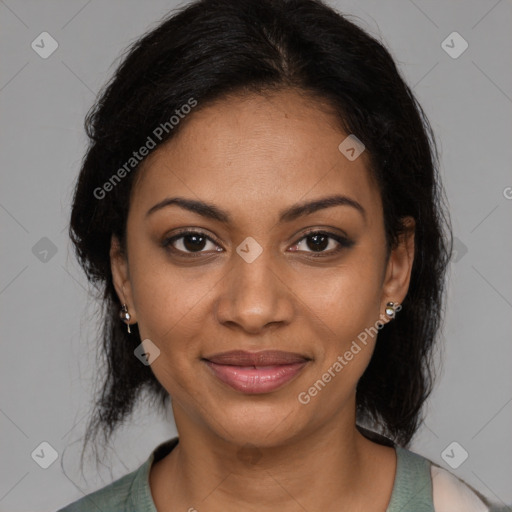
x,y
254,156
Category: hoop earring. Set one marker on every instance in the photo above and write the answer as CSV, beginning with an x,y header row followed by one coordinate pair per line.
x,y
125,316
391,308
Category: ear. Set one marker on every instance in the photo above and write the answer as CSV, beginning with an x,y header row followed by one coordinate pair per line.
x,y
121,277
399,266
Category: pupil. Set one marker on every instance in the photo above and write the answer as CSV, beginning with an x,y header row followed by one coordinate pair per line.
x,y
198,242
318,246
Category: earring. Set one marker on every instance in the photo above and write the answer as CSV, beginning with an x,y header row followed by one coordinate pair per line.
x,y
391,308
125,316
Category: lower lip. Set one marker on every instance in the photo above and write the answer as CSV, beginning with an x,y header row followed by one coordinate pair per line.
x,y
250,380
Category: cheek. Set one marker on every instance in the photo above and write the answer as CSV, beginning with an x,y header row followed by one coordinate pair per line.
x,y
345,299
345,306
166,297
170,312
348,310
172,305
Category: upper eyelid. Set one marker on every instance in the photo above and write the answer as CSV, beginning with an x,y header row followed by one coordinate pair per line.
x,y
186,232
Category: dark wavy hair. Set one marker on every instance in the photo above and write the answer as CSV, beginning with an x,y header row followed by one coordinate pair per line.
x,y
213,48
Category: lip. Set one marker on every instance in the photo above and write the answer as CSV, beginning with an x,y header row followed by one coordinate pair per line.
x,y
256,372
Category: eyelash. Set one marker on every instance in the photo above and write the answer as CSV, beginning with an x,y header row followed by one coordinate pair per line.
x,y
344,243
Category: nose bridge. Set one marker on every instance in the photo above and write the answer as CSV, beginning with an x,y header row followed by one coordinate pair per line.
x,y
253,295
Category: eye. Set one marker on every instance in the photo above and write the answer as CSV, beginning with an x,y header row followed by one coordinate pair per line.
x,y
189,242
192,243
319,241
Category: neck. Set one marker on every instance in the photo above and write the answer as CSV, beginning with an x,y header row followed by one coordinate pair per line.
x,y
331,465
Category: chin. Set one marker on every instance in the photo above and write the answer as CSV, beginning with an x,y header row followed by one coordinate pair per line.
x,y
263,425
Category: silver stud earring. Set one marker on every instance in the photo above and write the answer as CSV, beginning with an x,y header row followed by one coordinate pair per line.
x,y
391,309
125,316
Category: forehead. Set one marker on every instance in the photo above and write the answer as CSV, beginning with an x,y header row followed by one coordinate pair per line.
x,y
256,152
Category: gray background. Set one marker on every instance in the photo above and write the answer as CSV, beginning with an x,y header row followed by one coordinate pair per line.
x,y
48,317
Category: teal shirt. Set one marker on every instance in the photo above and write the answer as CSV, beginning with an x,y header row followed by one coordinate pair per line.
x,y
412,489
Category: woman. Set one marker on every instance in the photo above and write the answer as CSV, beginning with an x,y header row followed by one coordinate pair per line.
x,y
261,205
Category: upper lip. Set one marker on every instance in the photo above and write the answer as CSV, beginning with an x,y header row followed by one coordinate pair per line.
x,y
263,358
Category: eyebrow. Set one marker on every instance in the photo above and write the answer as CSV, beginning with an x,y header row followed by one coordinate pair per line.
x,y
211,211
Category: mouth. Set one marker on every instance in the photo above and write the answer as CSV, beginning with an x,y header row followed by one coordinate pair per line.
x,y
256,372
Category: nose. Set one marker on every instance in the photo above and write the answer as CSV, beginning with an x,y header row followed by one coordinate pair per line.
x,y
255,295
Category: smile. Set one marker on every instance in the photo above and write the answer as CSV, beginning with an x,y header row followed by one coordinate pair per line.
x,y
253,373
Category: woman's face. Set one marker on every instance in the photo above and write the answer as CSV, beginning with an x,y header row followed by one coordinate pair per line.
x,y
250,278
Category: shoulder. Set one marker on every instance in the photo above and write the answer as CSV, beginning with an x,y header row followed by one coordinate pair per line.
x,y
128,493
429,487
450,493
115,496
447,492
